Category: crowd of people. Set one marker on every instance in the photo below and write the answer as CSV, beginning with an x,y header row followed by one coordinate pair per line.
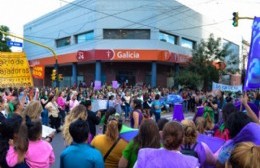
x,y
93,139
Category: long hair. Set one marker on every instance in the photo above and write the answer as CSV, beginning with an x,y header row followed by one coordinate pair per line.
x,y
112,131
137,104
21,142
200,124
79,112
33,110
14,128
148,136
245,155
209,124
190,132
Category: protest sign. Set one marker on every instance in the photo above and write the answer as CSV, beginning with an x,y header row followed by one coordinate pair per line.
x,y
222,87
38,72
115,84
14,70
97,85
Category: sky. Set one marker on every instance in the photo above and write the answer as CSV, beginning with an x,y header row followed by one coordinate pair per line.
x,y
16,13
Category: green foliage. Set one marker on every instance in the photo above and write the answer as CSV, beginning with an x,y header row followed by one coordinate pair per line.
x,y
203,55
188,79
4,39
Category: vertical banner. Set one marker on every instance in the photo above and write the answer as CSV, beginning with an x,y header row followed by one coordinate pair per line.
x,y
97,85
14,70
252,80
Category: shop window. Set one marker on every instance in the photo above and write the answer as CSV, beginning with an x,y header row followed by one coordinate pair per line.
x,y
188,43
166,37
83,37
126,33
63,42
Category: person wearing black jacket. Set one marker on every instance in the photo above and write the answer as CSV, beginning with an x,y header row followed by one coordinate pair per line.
x,y
93,118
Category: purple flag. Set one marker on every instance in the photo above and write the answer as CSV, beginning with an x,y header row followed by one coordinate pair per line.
x,y
252,80
200,111
214,143
178,112
97,85
251,105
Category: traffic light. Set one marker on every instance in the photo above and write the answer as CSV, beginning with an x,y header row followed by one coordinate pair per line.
x,y
60,77
53,75
235,19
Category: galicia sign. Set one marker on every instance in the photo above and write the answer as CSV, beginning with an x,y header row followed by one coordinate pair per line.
x,y
127,55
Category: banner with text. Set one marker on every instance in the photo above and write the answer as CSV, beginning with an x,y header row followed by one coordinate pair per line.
x,y
14,70
38,72
252,80
222,87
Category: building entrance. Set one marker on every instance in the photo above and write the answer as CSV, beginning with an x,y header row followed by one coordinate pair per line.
x,y
127,77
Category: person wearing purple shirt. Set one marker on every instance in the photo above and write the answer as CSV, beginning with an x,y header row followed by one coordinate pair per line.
x,y
169,155
195,148
242,129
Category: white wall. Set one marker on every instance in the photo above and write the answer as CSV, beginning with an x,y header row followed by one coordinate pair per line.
x,y
167,15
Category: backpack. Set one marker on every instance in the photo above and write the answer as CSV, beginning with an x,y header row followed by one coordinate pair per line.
x,y
186,150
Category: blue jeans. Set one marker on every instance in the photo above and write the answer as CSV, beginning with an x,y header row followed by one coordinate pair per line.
x,y
45,117
185,106
127,110
157,116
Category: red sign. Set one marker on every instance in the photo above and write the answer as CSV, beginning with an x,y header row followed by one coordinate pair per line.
x,y
132,55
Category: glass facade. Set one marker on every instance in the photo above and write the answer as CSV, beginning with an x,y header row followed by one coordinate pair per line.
x,y
63,42
166,37
83,37
187,43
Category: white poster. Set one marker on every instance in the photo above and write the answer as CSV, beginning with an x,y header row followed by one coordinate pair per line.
x,y
222,87
99,105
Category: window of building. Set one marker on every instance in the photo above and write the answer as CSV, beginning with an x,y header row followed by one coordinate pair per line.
x,y
188,43
126,33
83,37
63,42
166,37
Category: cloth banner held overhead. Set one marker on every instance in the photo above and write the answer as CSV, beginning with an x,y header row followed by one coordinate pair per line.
x,y
252,80
14,70
222,87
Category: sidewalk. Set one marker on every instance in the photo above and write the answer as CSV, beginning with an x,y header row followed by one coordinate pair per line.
x,y
188,115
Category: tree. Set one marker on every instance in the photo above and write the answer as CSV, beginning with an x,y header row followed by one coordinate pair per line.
x,y
4,39
203,55
188,79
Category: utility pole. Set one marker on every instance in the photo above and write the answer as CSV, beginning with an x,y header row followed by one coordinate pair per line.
x,y
56,65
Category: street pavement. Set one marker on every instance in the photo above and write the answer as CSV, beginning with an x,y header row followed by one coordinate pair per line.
x,y
59,145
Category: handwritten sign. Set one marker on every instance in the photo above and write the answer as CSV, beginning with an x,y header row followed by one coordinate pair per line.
x,y
14,70
38,72
222,87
